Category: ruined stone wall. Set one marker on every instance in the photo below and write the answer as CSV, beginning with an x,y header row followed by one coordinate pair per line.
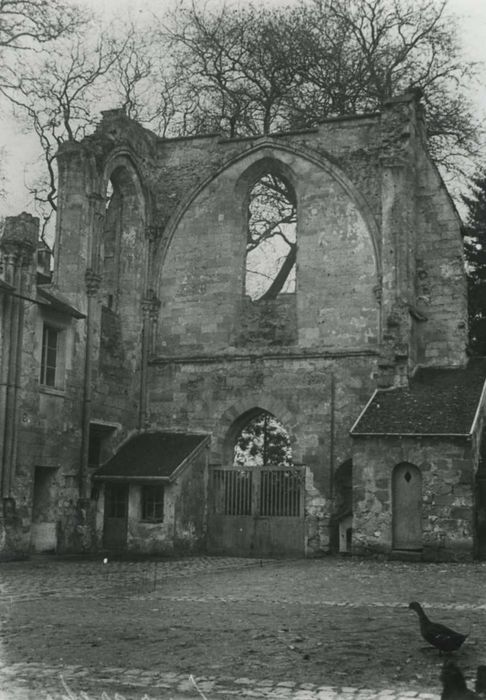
x,y
377,240
201,282
440,281
40,470
217,354
209,395
447,470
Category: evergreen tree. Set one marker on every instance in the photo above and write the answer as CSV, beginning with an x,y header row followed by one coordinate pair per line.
x,y
475,253
263,441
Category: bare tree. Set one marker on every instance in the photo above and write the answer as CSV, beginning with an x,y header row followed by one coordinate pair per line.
x,y
28,25
55,98
24,23
255,70
240,66
272,217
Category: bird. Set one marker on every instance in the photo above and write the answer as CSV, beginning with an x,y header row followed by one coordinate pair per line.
x,y
454,684
441,637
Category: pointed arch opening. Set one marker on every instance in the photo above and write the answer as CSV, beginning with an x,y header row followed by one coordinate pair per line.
x,y
271,246
268,317
122,263
124,220
261,440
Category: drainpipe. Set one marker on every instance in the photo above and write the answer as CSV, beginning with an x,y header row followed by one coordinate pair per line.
x,y
92,279
93,282
142,409
150,307
18,370
331,437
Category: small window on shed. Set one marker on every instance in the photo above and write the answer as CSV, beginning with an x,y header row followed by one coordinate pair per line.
x,y
271,248
153,504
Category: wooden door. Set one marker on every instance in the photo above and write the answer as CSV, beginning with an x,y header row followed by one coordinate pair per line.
x,y
115,516
407,507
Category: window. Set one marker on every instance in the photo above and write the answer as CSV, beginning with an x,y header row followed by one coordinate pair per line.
x,y
49,359
271,248
153,504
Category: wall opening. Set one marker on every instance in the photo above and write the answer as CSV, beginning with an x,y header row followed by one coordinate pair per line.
x,y
123,220
44,510
122,260
262,440
271,246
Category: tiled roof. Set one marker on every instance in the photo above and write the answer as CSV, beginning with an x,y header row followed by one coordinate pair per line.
x,y
437,402
151,456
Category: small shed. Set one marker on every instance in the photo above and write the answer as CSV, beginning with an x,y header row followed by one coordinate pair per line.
x,y
153,494
417,466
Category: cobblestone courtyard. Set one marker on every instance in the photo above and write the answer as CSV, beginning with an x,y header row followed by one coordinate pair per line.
x,y
229,628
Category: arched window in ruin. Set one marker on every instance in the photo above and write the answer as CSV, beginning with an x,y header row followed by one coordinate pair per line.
x,y
261,441
124,222
122,263
271,248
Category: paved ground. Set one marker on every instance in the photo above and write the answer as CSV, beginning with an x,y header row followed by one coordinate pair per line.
x,y
220,628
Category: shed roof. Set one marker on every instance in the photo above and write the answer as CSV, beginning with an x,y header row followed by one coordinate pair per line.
x,y
151,456
437,402
48,296
5,286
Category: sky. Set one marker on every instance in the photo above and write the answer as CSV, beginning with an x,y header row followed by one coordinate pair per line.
x,y
21,150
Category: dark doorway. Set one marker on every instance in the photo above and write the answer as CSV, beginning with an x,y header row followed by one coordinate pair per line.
x,y
115,516
44,514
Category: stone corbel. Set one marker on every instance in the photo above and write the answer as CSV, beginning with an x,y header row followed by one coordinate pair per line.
x,y
153,233
150,305
93,282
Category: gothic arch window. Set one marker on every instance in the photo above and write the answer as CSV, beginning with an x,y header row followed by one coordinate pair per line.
x,y
271,246
260,440
124,214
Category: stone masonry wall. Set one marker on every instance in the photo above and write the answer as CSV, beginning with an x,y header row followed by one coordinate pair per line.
x,y
447,472
440,280
208,396
181,242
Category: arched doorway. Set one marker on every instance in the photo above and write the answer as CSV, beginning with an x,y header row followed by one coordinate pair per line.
x,y
407,507
256,505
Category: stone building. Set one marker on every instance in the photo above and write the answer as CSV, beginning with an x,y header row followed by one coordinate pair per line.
x,y
145,357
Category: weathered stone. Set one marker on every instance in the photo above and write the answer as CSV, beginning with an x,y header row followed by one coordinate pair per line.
x,y
166,339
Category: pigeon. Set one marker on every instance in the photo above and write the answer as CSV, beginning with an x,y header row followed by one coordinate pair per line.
x,y
441,637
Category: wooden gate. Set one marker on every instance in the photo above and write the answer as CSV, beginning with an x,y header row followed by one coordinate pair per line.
x,y
256,511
